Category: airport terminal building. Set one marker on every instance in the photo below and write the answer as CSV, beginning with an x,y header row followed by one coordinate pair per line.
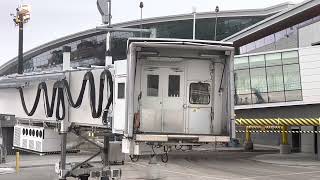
x,y
276,68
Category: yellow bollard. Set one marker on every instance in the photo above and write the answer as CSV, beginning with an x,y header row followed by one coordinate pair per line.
x,y
284,135
17,162
248,134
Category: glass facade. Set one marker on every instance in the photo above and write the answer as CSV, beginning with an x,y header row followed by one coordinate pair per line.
x,y
267,78
91,50
226,26
284,39
84,52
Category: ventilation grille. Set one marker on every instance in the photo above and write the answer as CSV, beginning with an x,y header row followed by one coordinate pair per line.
x,y
25,143
38,146
31,144
17,136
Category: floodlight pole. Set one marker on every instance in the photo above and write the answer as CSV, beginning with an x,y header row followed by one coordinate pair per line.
x,y
109,15
194,23
20,49
141,7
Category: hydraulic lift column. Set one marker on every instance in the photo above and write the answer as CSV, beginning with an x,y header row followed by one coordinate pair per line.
x,y
64,123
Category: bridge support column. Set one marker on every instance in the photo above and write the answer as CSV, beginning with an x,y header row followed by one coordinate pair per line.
x,y
285,148
248,144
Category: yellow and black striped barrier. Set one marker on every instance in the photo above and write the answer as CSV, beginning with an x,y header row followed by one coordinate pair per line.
x,y
264,127
279,122
277,131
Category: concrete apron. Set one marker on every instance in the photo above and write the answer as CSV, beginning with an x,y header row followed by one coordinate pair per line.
x,y
248,146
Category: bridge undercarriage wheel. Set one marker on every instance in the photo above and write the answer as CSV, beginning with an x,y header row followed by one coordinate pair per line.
x,y
134,158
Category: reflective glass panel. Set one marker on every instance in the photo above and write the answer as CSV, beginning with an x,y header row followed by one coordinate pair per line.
x,y
243,99
121,89
273,59
290,57
199,93
276,96
259,98
242,82
153,85
257,61
275,78
258,80
294,95
241,63
174,86
291,75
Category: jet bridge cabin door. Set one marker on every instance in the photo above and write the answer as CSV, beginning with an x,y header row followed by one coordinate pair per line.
x,y
162,100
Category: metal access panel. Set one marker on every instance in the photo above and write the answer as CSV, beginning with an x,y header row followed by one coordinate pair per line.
x,y
179,86
119,98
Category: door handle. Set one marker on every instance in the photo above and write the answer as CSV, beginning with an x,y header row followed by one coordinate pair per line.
x,y
184,106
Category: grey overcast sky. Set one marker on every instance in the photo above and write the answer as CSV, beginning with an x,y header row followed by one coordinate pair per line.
x,y
51,19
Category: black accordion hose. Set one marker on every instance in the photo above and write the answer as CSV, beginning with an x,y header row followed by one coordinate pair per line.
x,y
58,94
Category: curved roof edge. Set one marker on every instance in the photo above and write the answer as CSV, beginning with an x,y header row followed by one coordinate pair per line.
x,y
292,12
202,15
79,35
50,45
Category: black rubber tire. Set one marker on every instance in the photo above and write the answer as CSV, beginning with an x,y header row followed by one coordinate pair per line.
x,y
134,158
164,157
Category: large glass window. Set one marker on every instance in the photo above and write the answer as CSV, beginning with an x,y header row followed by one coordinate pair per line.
x,y
257,61
290,57
269,78
121,90
291,75
241,63
174,86
199,93
242,81
295,95
275,78
258,97
153,85
258,80
243,99
276,96
273,59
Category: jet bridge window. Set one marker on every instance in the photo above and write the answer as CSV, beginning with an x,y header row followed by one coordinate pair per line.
x,y
199,93
174,86
121,88
153,85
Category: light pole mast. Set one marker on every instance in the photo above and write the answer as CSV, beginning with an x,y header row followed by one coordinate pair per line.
x,y
194,22
141,7
216,24
22,16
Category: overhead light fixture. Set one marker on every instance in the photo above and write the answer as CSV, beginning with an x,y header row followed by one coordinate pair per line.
x,y
209,55
149,53
164,59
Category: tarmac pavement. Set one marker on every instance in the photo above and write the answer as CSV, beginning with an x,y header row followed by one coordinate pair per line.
x,y
202,163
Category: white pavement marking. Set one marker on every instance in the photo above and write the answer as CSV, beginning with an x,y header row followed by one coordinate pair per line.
x,y
276,175
6,171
